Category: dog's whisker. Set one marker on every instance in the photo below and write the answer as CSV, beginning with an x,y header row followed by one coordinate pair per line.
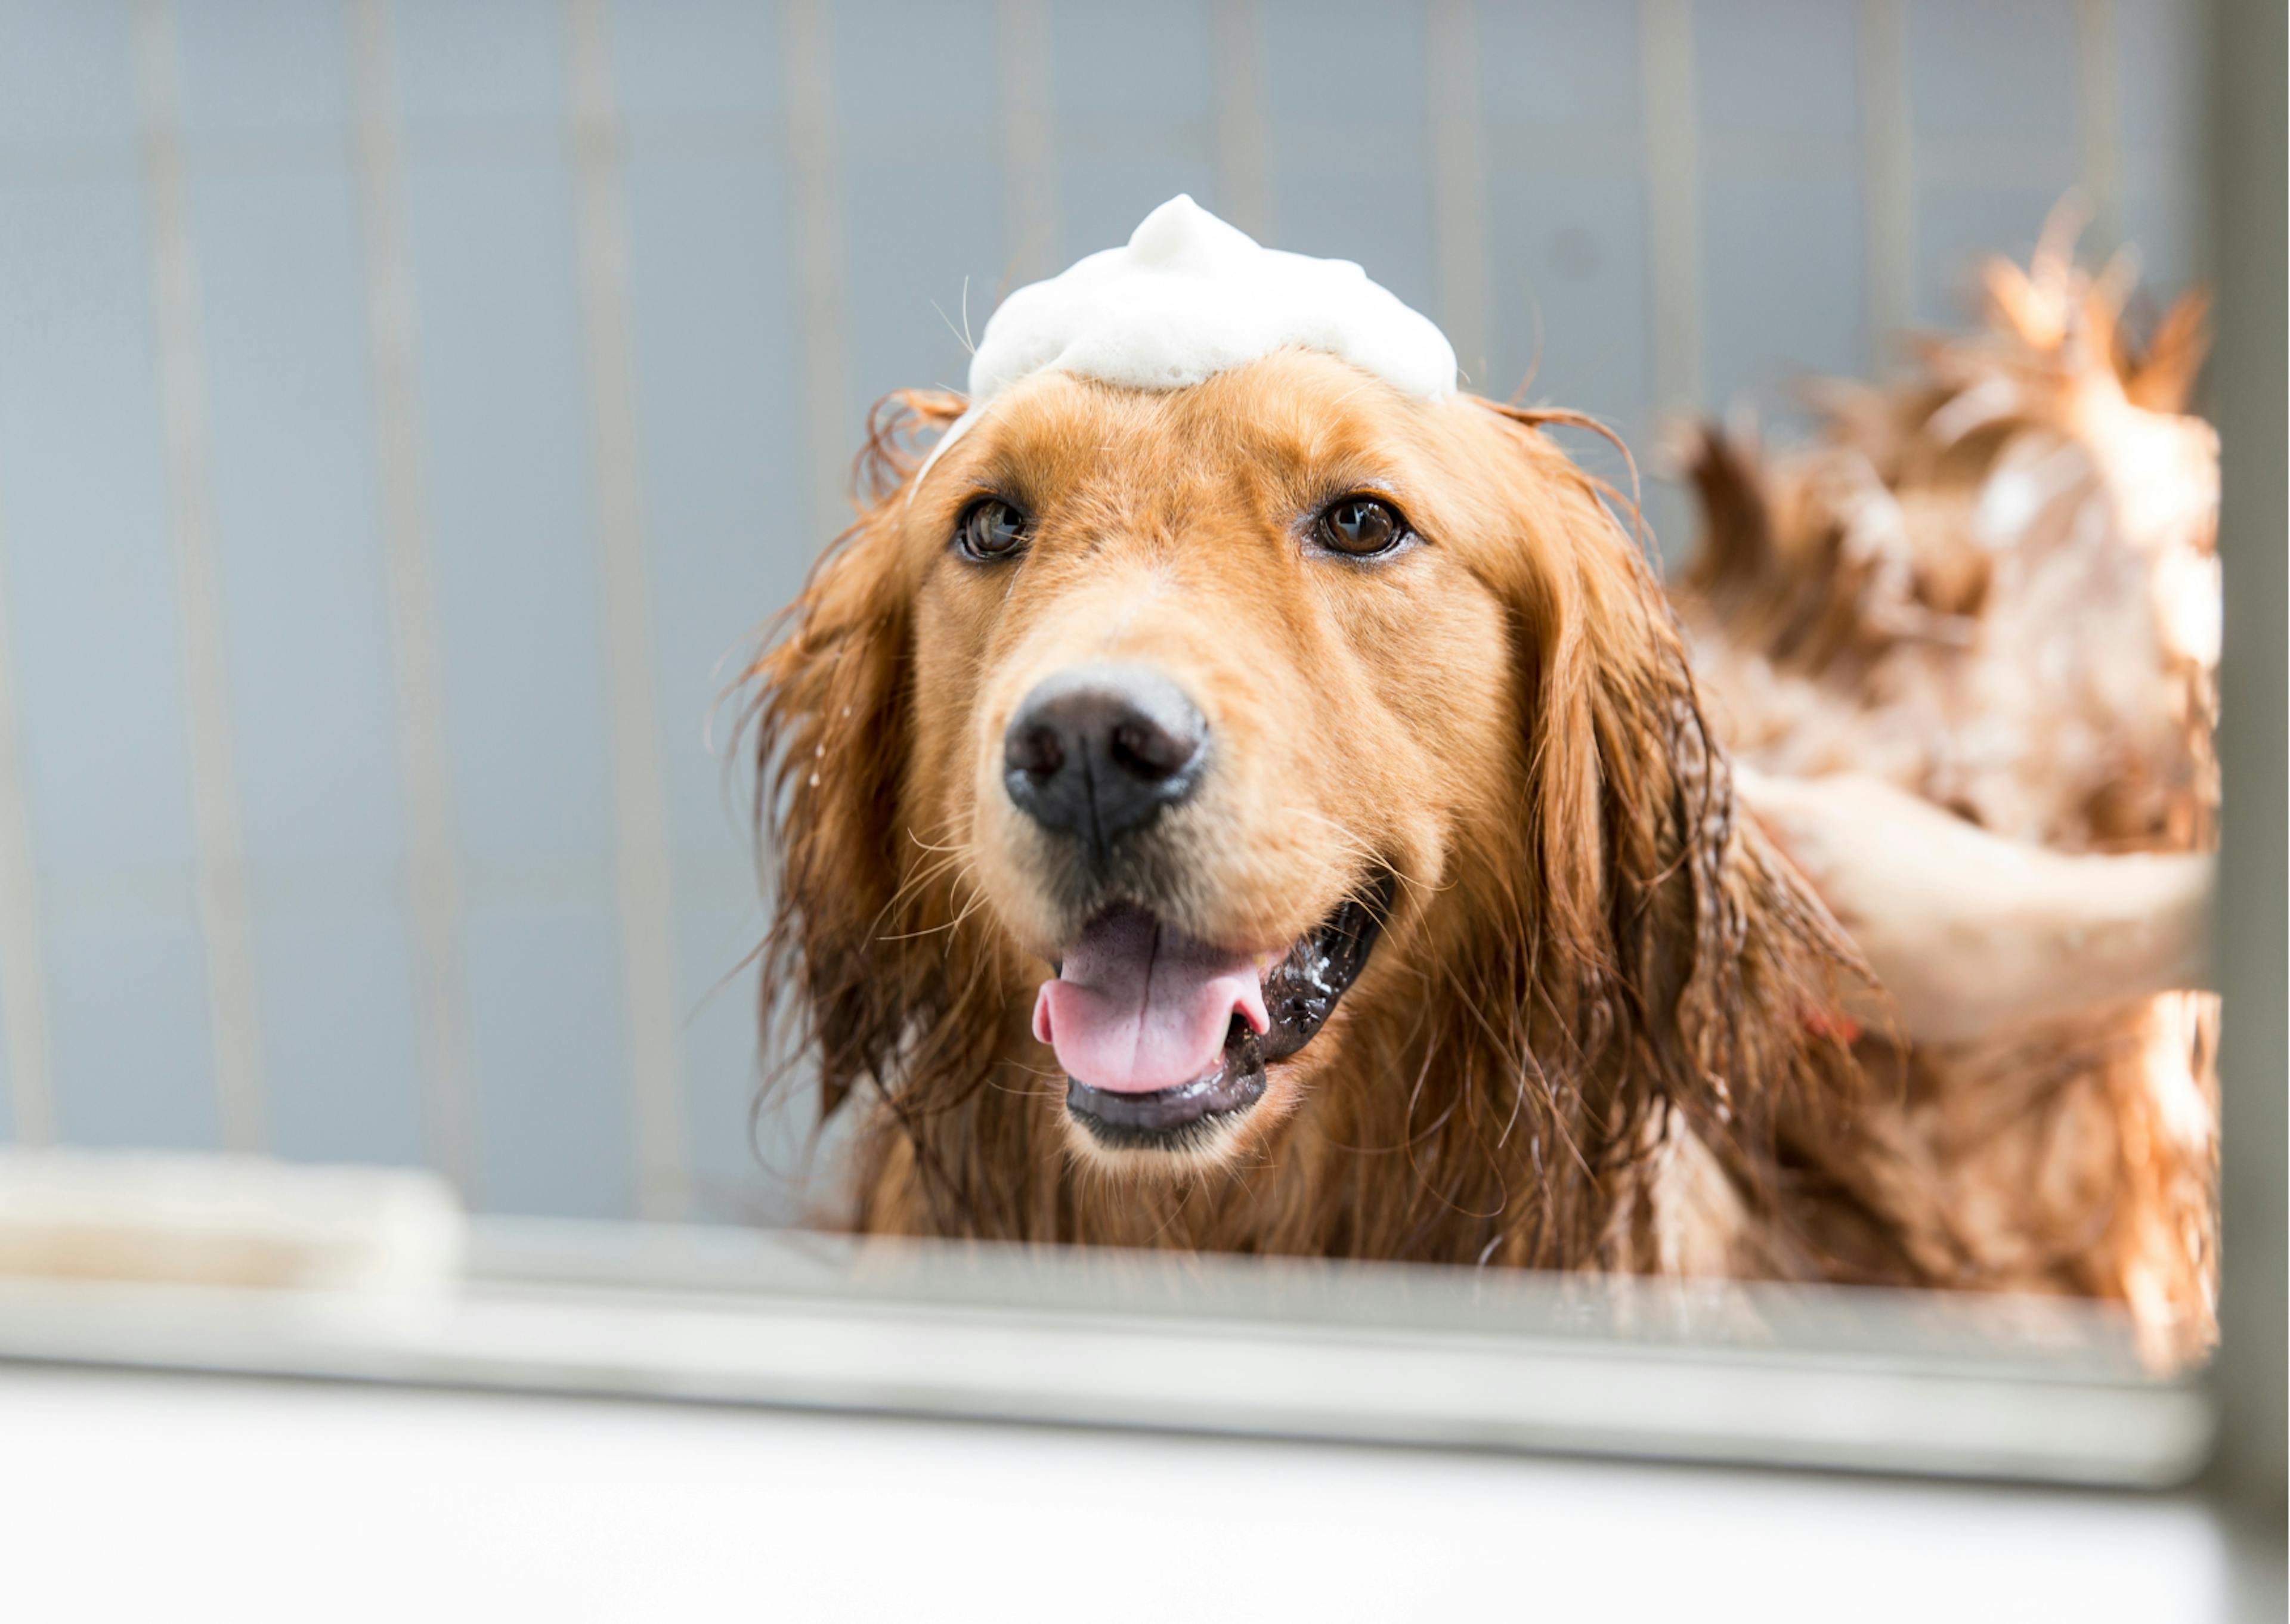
x,y
916,883
961,333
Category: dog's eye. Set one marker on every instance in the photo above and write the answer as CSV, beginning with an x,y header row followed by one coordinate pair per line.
x,y
1362,526
989,529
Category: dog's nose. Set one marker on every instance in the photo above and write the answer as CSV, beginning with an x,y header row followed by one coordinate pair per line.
x,y
1098,750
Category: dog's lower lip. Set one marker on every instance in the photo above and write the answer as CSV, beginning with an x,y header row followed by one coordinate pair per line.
x,y
1166,1117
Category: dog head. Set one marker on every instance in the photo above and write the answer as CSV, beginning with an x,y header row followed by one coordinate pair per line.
x,y
1159,747
1230,728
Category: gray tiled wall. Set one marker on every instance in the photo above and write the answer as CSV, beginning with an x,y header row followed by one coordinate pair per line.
x,y
307,386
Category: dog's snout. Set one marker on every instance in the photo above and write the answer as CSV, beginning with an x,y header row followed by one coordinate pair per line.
x,y
1096,751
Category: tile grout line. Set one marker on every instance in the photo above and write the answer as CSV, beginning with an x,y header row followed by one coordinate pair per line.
x,y
1459,185
1888,179
641,864
226,914
2099,117
1673,201
23,954
809,67
1243,142
1028,140
433,872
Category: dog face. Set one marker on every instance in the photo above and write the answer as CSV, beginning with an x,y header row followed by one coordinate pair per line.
x,y
1209,688
1198,674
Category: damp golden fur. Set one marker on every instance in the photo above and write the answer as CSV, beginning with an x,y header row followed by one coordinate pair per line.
x,y
1995,584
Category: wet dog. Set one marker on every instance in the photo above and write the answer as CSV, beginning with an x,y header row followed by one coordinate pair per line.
x,y
1280,815
1277,815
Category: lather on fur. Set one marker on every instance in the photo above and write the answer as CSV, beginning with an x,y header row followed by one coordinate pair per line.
x,y
1599,1029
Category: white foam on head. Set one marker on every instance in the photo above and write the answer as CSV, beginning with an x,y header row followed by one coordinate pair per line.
x,y
1189,297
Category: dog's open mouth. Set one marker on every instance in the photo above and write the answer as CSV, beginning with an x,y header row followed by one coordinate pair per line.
x,y
1162,1036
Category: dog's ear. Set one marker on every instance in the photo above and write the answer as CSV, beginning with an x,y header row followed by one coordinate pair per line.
x,y
1622,790
829,700
1678,935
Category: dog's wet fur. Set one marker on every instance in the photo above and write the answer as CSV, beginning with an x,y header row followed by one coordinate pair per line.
x,y
1584,1028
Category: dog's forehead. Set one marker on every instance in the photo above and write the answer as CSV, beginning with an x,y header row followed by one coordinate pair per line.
x,y
1294,415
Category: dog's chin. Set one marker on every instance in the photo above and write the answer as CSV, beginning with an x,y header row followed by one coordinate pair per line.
x,y
1207,1120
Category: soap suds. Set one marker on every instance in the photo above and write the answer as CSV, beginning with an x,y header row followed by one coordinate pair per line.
x,y
1189,297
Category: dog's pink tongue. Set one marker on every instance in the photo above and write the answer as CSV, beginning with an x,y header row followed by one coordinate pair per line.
x,y
1137,1007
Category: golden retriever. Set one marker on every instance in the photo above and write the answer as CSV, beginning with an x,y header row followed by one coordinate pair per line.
x,y
1327,764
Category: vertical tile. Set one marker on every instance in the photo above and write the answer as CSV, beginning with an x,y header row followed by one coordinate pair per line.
x,y
219,874
99,665
1666,39
819,249
1567,294
1116,60
2159,59
65,83
501,324
546,1036
1243,144
923,189
730,539
1457,159
265,104
433,891
1554,63
1889,199
746,1141
497,64
1993,68
1783,66
489,211
1782,261
1570,294
1992,98
133,1066
643,871
697,64
337,1003
1135,117
314,718
268,71
1350,168
1783,239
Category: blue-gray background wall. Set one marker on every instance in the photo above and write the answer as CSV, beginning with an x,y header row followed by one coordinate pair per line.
x,y
407,407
